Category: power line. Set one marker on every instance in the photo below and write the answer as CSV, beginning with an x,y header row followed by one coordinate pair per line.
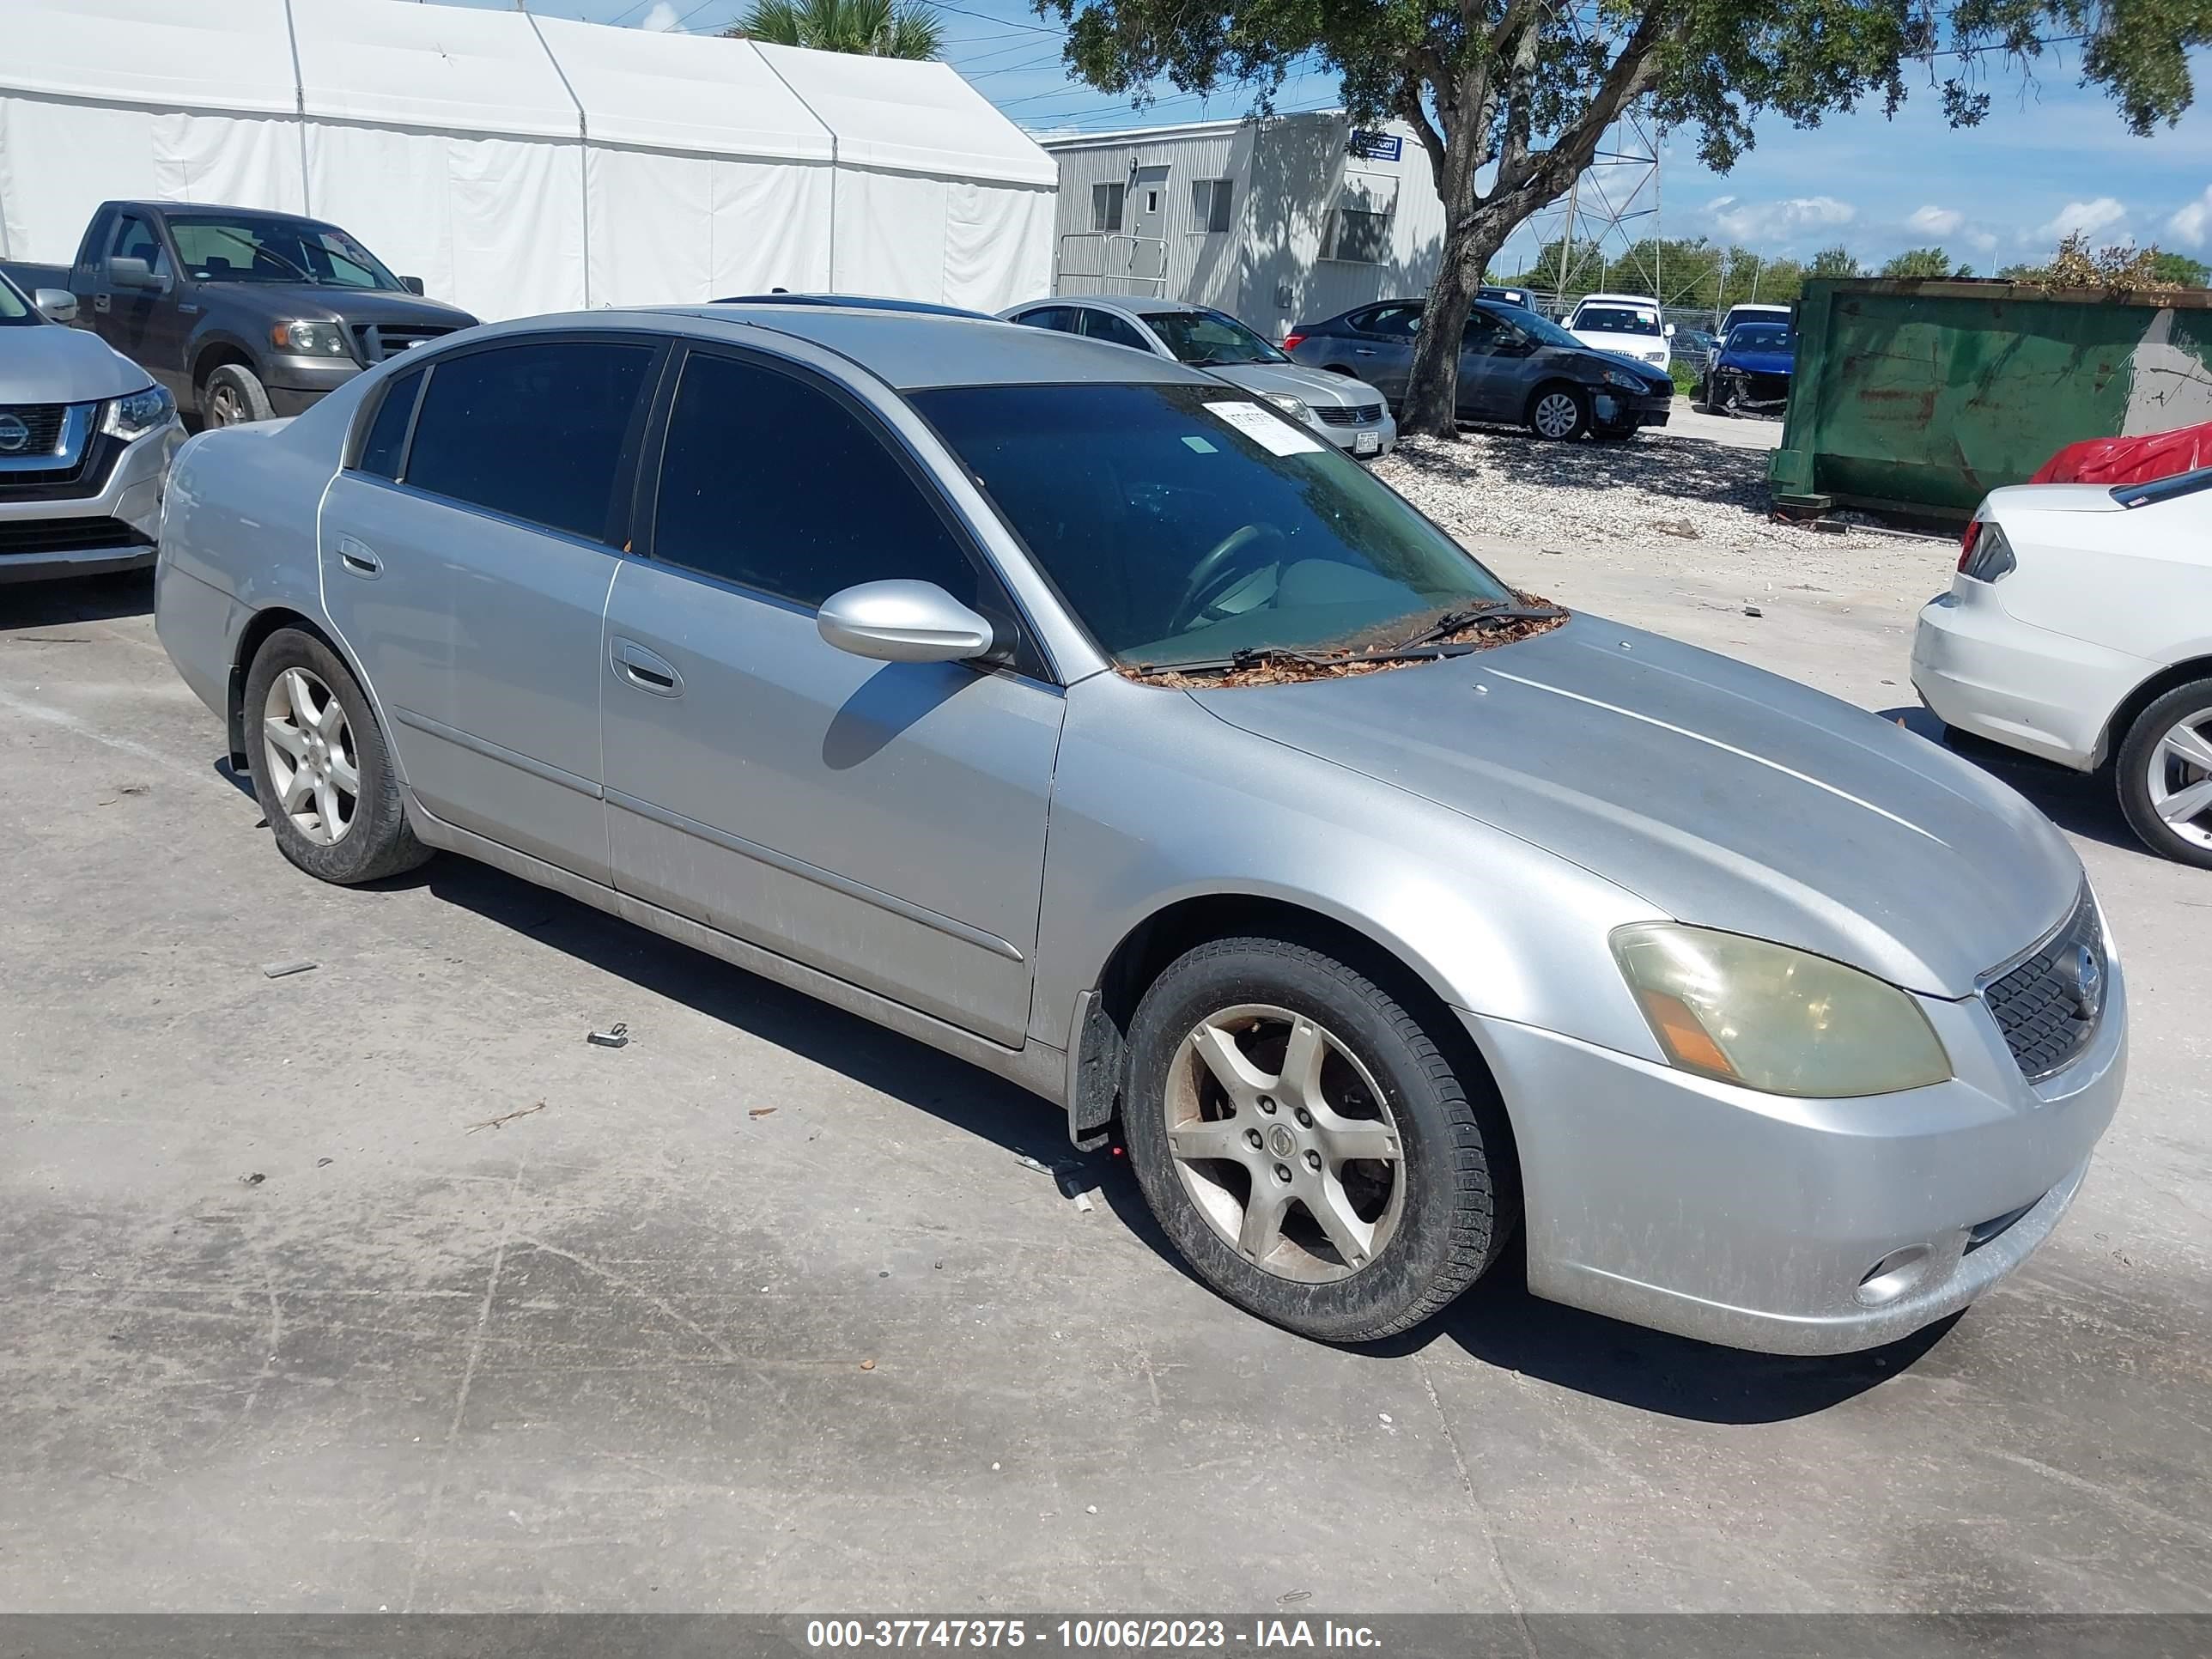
x,y
1011,23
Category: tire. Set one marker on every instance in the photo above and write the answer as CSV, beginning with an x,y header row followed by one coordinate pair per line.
x,y
1614,435
232,395
1437,1206
372,840
2164,756
1548,411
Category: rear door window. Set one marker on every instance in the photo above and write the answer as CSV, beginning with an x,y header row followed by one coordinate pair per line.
x,y
538,430
1105,326
385,447
1399,322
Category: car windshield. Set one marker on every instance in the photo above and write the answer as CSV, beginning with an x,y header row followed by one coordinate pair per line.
x,y
1185,524
247,247
1758,337
1616,319
15,305
1542,330
1206,339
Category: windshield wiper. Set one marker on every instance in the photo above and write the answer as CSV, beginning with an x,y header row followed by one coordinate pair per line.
x,y
1454,621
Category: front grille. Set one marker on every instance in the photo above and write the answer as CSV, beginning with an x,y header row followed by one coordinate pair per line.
x,y
1363,415
66,536
44,421
2048,1004
378,341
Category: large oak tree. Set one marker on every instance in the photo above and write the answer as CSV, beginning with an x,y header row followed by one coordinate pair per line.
x,y
1510,98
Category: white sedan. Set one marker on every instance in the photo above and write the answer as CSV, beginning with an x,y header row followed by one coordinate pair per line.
x,y
2079,629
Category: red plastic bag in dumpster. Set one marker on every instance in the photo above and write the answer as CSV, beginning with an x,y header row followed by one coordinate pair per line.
x,y
2130,460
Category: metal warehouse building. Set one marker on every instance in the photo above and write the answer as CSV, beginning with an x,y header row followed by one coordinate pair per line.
x,y
1275,222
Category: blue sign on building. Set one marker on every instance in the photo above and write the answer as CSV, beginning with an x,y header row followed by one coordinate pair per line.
x,y
1376,146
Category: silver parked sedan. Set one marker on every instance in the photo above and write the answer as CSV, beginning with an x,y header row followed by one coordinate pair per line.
x,y
85,441
1078,714
1346,411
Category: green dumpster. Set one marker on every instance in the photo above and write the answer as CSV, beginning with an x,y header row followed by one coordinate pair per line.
x,y
1920,397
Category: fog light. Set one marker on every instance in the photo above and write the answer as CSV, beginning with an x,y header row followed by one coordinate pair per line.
x,y
1894,1275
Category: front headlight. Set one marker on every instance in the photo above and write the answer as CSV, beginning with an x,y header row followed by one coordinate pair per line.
x,y
1294,407
140,413
310,339
1782,1021
1626,382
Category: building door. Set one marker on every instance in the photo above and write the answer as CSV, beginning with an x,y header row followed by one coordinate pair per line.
x,y
1147,222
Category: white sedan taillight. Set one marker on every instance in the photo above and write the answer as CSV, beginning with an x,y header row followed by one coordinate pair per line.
x,y
1984,552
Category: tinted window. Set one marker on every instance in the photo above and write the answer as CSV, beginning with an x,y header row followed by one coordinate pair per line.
x,y
1760,337
1207,339
1176,534
1061,317
534,431
248,248
769,482
1105,326
380,452
134,240
1400,322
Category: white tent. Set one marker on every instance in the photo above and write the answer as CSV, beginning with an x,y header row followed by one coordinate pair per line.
x,y
520,164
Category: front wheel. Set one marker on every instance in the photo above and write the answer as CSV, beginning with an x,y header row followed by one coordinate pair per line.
x,y
2164,772
234,395
1559,413
1306,1145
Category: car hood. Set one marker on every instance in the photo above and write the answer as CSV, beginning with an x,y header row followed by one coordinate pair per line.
x,y
352,305
1757,362
1312,386
50,364
1722,795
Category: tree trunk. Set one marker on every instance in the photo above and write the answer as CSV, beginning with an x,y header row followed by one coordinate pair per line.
x,y
1432,388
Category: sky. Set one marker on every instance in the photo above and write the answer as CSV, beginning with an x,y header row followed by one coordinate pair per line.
x,y
2051,157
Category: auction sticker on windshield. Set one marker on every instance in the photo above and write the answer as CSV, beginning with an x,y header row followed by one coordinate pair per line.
x,y
1275,435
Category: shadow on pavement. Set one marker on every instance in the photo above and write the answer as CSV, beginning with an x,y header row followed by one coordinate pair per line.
x,y
81,599
1498,1322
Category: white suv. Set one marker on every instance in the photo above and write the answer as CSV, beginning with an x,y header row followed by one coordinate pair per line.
x,y
1626,325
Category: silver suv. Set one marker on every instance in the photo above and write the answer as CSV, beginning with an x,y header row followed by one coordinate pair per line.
x,y
86,439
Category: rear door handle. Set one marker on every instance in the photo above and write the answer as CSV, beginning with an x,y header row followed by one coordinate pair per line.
x,y
1363,351
99,302
357,559
647,672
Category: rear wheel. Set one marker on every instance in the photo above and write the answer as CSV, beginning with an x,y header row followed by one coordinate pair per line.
x,y
1307,1145
2163,773
232,395
1559,413
320,768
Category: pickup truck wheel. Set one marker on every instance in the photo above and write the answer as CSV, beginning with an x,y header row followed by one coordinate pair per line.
x,y
1307,1146
321,770
234,395
2163,773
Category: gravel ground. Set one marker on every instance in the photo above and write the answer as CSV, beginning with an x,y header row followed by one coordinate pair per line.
x,y
1653,491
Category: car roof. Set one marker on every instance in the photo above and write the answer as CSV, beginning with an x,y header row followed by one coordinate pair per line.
x,y
910,349
850,302
1643,299
218,207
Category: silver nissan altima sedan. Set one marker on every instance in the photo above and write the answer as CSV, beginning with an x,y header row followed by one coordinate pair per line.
x,y
1077,713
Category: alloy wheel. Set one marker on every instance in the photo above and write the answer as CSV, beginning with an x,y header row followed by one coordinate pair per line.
x,y
1556,414
309,752
2181,777
225,407
1285,1144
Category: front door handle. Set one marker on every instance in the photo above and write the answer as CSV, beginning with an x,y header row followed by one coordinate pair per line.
x,y
99,302
1363,351
647,672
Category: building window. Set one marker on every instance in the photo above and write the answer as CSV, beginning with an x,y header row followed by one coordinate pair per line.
x,y
1210,200
1106,206
1358,235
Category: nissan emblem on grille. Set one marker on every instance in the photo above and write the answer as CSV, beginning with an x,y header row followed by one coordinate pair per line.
x,y
14,435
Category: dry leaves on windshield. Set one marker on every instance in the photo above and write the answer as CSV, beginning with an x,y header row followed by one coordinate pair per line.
x,y
1282,671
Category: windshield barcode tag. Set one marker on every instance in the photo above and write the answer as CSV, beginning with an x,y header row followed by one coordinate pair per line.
x,y
1264,428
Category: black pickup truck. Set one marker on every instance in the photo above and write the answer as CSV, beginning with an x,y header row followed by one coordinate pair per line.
x,y
241,313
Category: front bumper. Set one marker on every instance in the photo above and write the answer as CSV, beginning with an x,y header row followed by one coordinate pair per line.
x,y
1982,670
113,528
296,384
1376,438
1620,411
1758,1221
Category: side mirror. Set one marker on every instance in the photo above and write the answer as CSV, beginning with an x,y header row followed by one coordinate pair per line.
x,y
903,622
412,284
1668,329
126,272
58,304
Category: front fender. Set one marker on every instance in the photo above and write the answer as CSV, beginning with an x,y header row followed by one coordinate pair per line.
x,y
1156,802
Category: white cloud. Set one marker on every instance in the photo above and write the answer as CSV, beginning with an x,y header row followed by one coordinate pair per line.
x,y
1757,222
1937,221
660,18
2193,222
2090,218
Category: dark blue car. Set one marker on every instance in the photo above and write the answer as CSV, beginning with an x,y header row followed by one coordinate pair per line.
x,y
1750,373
